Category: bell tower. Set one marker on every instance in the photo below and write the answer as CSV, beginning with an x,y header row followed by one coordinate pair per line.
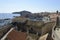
x,y
57,20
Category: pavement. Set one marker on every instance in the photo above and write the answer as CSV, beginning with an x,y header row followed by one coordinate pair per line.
x,y
43,37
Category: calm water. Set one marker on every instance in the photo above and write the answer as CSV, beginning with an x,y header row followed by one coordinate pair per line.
x,y
7,15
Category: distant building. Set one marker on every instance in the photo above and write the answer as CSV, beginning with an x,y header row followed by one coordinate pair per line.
x,y
53,16
23,13
46,19
36,18
41,18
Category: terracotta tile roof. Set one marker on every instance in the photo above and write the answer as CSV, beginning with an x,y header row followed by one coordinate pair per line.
x,y
15,35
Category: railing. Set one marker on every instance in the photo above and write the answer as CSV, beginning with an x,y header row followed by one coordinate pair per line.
x,y
3,38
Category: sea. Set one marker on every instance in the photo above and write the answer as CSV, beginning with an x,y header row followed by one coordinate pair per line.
x,y
8,15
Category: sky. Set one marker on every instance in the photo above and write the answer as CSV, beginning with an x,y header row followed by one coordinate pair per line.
x,y
9,6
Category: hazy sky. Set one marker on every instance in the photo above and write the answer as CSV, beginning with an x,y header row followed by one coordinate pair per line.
x,y
8,6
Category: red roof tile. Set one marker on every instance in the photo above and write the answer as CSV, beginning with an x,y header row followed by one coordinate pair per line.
x,y
15,35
